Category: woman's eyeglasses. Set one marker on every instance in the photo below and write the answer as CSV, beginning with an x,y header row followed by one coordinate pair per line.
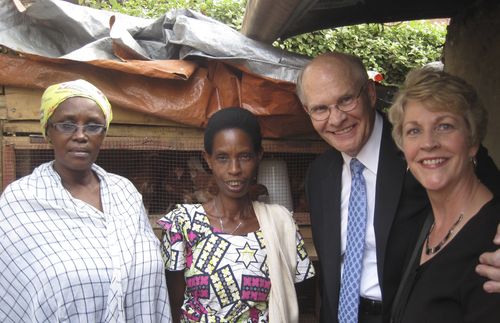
x,y
69,128
345,104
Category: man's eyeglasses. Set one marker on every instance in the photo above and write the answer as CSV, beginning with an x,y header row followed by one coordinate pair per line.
x,y
70,128
345,104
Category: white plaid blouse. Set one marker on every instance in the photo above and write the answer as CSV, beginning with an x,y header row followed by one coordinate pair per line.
x,y
62,260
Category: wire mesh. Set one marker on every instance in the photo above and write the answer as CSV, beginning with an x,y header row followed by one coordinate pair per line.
x,y
167,173
166,176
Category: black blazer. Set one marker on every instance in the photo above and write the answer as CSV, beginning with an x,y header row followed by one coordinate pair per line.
x,y
401,206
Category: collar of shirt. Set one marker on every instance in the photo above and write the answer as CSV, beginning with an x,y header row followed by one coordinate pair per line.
x,y
368,155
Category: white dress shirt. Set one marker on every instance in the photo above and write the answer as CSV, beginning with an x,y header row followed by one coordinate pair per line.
x,y
368,156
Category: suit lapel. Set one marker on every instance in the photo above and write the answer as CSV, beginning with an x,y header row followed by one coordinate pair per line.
x,y
330,231
390,178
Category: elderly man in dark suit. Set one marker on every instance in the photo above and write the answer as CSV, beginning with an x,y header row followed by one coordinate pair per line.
x,y
359,280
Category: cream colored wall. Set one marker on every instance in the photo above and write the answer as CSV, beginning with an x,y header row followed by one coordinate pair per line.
x,y
472,51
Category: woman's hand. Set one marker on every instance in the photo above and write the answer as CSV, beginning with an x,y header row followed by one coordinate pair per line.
x,y
489,267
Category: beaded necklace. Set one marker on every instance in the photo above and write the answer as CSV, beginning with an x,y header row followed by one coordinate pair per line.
x,y
431,251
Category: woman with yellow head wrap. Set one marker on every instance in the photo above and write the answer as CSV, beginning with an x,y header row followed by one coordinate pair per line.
x,y
55,94
76,240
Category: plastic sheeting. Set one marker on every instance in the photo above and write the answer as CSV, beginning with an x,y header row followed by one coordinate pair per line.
x,y
182,66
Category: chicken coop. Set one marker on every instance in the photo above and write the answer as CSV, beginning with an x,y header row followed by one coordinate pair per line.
x,y
164,160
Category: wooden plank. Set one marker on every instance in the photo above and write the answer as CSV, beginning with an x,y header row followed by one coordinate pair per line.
x,y
113,143
184,137
1,154
302,218
3,108
190,141
305,231
13,128
311,251
24,104
294,146
8,165
179,134
115,130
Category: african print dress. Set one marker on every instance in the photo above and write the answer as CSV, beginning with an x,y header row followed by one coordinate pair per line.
x,y
227,278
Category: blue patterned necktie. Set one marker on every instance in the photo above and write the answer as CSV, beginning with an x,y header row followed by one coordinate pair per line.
x,y
353,258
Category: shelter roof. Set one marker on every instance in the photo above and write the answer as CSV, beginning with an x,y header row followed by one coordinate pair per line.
x,y
267,21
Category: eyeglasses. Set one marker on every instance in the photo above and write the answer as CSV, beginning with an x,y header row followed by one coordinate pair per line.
x,y
91,129
345,104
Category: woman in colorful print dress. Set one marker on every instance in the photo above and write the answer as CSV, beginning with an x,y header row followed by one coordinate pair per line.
x,y
232,259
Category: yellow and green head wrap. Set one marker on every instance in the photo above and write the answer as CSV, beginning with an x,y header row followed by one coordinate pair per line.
x,y
56,94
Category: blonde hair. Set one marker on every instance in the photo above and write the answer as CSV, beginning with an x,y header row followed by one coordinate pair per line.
x,y
440,91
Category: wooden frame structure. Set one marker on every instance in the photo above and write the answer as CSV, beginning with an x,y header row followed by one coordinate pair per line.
x,y
19,122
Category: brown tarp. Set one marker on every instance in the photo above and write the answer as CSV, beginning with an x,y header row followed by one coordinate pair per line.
x,y
182,91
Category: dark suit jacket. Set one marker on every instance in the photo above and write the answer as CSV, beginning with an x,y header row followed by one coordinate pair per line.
x,y
400,207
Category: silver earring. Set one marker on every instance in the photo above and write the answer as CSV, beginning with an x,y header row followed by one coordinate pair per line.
x,y
474,161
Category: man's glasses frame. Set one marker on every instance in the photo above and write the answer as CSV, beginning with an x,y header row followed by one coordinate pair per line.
x,y
347,104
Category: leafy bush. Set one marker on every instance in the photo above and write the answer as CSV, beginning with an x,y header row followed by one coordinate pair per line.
x,y
391,49
230,12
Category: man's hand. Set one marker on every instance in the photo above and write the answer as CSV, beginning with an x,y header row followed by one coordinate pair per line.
x,y
489,267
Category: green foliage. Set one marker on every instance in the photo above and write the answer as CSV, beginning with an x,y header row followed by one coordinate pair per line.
x,y
391,49
230,12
